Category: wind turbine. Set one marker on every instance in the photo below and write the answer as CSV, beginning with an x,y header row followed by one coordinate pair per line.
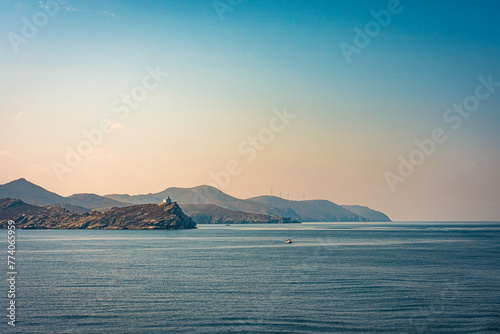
x,y
271,191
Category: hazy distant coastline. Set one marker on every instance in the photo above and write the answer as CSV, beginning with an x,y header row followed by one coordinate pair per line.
x,y
205,204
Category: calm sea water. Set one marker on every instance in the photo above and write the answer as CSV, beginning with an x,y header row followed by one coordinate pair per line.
x,y
334,278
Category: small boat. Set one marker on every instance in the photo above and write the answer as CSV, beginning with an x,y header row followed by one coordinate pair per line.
x,y
228,224
288,241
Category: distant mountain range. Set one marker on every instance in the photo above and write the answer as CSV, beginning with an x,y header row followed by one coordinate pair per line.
x,y
202,200
305,211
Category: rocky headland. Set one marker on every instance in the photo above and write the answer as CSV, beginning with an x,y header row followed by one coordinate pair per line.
x,y
167,216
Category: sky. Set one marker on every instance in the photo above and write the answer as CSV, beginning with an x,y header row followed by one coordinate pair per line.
x,y
388,104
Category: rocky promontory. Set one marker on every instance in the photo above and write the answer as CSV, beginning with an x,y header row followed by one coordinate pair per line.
x,y
168,216
213,214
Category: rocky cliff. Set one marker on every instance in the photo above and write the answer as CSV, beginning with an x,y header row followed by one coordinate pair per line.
x,y
136,217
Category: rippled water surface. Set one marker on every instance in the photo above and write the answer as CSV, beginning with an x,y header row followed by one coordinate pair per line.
x,y
334,278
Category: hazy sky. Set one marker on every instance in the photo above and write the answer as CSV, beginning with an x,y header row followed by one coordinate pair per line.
x,y
233,66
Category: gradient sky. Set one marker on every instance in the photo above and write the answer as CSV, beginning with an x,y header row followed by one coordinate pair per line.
x,y
225,79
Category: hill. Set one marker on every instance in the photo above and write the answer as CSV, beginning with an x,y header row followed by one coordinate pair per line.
x,y
72,208
93,201
147,216
311,210
213,214
29,193
26,214
32,194
372,215
196,195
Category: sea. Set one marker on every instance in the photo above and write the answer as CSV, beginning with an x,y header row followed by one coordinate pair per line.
x,y
398,277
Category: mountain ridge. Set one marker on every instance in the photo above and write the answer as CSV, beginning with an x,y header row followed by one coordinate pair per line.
x,y
308,211
33,194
